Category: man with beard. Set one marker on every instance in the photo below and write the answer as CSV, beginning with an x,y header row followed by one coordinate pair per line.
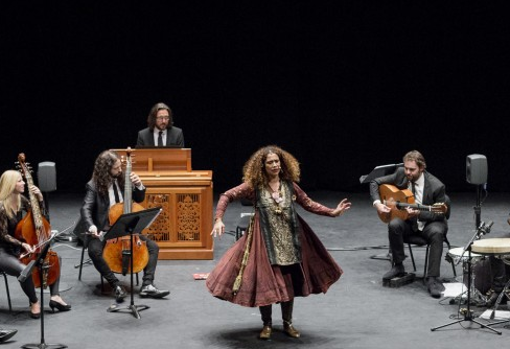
x,y
432,226
161,132
103,191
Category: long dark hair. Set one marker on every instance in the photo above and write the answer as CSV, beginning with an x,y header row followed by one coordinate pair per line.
x,y
101,175
151,118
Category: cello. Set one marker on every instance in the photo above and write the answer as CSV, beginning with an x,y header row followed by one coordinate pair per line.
x,y
35,230
117,251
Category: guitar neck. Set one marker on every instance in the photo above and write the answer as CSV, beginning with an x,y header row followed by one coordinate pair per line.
x,y
414,206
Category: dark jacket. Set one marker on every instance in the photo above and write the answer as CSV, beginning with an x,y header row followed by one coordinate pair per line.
x,y
433,191
174,136
95,209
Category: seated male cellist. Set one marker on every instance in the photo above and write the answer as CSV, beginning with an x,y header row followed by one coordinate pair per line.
x,y
102,192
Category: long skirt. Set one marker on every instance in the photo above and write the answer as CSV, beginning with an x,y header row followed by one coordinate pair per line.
x,y
263,283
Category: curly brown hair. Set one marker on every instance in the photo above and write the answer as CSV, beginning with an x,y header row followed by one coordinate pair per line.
x,y
101,175
253,171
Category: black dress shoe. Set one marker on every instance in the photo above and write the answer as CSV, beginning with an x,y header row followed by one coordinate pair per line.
x,y
434,287
396,270
120,293
5,335
153,292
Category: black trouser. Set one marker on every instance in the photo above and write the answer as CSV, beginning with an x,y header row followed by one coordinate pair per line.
x,y
433,233
13,266
96,246
266,312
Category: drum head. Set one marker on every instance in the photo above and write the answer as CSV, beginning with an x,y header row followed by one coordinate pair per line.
x,y
458,253
495,246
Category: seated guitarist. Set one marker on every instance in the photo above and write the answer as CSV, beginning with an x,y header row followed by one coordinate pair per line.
x,y
430,225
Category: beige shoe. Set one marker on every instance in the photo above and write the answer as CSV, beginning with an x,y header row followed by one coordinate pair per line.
x,y
290,330
266,332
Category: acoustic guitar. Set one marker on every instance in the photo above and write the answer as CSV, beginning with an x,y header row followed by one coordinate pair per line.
x,y
399,199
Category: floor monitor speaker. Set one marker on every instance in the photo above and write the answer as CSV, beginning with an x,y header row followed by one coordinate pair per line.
x,y
47,176
476,169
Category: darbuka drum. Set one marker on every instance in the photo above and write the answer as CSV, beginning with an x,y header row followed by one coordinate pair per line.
x,y
479,265
495,246
458,254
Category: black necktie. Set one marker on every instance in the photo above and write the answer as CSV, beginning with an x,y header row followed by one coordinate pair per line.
x,y
160,139
116,192
414,220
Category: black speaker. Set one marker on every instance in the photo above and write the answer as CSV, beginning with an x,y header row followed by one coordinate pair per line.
x,y
47,176
476,169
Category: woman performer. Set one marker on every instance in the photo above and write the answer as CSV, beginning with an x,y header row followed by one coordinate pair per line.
x,y
279,257
12,205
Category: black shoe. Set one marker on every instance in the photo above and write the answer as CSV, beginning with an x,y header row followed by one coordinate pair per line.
x,y
120,293
153,292
59,306
5,335
396,270
434,287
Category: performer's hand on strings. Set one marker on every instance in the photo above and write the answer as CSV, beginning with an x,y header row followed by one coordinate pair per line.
x,y
412,212
382,208
30,249
93,232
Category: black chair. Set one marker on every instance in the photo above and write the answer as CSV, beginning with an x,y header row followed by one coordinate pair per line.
x,y
7,289
242,225
418,241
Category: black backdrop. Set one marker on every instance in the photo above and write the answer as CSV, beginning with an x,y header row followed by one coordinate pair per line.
x,y
343,87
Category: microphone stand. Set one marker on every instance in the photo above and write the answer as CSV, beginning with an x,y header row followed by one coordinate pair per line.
x,y
468,316
27,272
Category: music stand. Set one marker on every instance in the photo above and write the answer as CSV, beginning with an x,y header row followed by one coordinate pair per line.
x,y
27,272
132,223
377,172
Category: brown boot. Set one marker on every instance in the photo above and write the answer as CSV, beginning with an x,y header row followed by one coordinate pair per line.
x,y
287,308
290,330
266,315
266,332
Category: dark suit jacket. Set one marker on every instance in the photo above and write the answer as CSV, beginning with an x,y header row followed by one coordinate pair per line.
x,y
433,191
95,209
174,136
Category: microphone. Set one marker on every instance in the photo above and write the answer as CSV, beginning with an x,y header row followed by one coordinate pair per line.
x,y
485,229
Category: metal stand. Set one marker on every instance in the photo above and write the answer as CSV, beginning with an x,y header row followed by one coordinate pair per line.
x,y
28,273
132,223
498,301
468,316
478,298
134,309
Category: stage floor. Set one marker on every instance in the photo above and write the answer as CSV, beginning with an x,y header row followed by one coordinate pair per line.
x,y
357,311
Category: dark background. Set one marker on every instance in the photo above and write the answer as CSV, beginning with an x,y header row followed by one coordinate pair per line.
x,y
344,87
